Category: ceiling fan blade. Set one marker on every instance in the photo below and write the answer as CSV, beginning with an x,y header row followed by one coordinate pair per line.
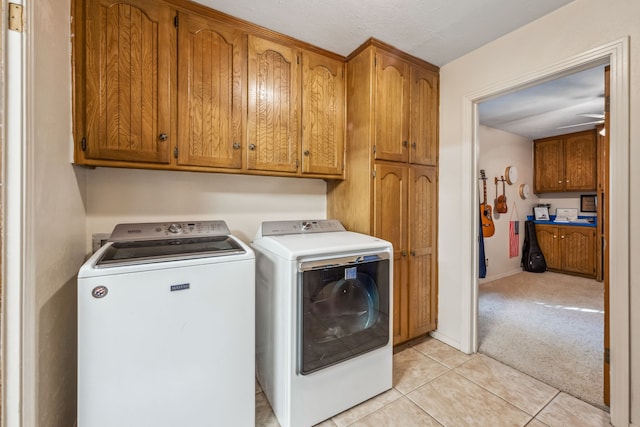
x,y
592,115
597,122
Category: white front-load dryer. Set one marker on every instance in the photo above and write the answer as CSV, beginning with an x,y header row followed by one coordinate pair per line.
x,y
323,318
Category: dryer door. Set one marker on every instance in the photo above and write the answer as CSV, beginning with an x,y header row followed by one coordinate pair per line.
x,y
343,309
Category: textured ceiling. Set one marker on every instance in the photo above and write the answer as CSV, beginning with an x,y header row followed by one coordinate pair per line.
x,y
437,31
568,104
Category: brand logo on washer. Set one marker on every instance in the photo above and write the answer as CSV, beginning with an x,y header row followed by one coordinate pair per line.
x,y
100,292
180,287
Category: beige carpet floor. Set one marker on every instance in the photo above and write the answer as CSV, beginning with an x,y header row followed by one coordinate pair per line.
x,y
549,326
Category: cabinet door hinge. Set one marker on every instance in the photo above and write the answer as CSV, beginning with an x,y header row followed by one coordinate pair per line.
x,y
607,355
607,100
373,173
298,59
16,17
175,152
374,149
297,163
83,144
175,21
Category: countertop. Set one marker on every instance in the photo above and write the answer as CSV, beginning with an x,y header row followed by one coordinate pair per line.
x,y
583,221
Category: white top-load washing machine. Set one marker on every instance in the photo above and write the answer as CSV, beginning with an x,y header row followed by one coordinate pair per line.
x,y
166,328
323,318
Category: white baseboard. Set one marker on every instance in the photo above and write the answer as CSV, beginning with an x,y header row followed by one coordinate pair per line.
x,y
445,339
499,276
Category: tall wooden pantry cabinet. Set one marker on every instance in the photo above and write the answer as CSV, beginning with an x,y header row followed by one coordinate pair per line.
x,y
391,185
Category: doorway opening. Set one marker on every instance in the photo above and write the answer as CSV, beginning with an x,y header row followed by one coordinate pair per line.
x,y
550,325
618,205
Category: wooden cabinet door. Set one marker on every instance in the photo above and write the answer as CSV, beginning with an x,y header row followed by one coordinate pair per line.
x,y
423,135
209,93
323,114
577,249
548,157
422,223
390,223
547,236
580,158
391,108
273,118
130,55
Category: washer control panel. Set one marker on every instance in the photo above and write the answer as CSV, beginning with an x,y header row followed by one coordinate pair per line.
x,y
279,228
164,230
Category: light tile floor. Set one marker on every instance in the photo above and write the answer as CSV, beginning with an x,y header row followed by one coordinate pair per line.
x,y
437,385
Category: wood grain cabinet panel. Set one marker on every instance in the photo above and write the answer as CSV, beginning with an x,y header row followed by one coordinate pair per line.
x,y
390,224
323,114
565,163
568,249
129,54
391,107
422,221
273,123
209,93
423,135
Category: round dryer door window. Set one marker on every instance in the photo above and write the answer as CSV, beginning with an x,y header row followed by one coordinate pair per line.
x,y
344,312
347,305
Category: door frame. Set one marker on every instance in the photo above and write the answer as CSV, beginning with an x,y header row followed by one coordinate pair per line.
x,y
617,55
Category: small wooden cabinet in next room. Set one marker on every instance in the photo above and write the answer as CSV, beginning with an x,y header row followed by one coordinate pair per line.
x,y
568,249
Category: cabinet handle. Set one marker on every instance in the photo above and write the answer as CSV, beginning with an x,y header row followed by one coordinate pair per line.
x,y
413,253
306,152
567,181
562,237
236,145
555,237
163,137
414,145
252,147
404,144
403,253
560,182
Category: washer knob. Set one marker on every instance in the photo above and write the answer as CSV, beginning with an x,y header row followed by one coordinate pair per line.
x,y
175,228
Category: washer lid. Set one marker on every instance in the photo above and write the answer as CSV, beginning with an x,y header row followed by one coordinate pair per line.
x,y
150,251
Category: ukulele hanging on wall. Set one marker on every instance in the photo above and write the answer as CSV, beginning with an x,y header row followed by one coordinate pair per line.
x,y
488,228
500,202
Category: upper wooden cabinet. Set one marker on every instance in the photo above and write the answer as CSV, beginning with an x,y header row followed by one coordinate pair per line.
x,y
323,114
423,132
406,118
127,90
565,163
179,86
209,93
391,107
274,112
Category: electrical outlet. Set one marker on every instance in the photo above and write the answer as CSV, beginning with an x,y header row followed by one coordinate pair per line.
x,y
486,262
99,239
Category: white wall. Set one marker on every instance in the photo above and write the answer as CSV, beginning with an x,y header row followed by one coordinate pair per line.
x,y
497,150
55,221
577,28
127,195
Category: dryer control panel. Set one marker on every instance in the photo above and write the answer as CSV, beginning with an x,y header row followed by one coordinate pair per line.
x,y
164,230
279,228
